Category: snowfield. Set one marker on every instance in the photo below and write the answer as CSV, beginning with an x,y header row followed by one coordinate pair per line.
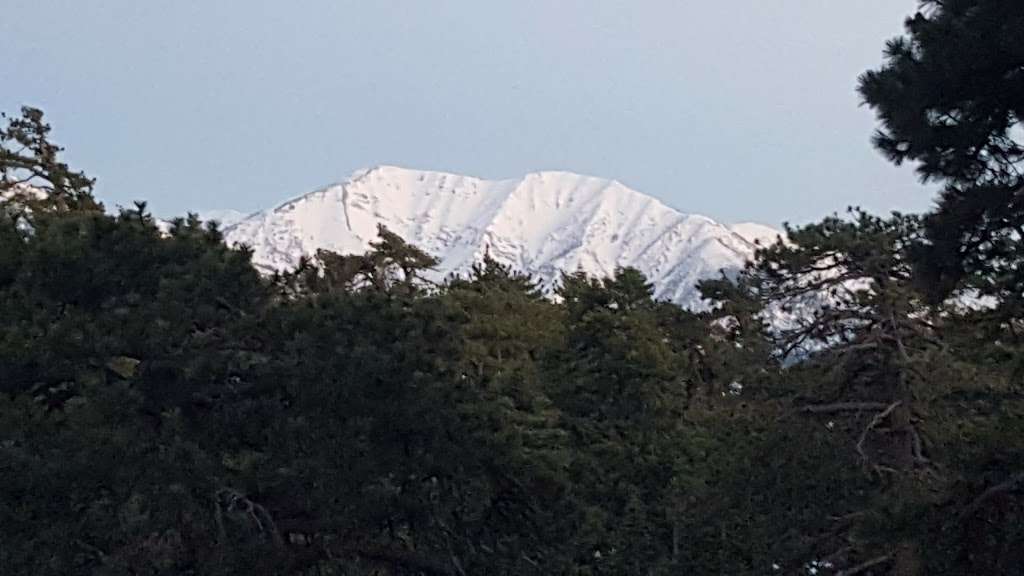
x,y
543,223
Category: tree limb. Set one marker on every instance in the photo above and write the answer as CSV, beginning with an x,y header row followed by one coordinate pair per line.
x,y
844,407
865,565
878,419
917,446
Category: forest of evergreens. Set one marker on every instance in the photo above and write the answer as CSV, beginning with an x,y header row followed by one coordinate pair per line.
x,y
852,403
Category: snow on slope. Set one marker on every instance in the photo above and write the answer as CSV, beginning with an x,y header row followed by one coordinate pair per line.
x,y
225,218
759,234
543,223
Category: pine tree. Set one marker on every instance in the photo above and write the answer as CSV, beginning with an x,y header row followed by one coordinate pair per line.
x,y
624,383
32,177
950,97
847,318
391,266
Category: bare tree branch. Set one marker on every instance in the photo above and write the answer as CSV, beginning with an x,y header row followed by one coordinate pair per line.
x,y
878,419
843,407
865,565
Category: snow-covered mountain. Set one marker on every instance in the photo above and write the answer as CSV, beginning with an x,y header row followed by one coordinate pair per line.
x,y
759,234
543,223
225,218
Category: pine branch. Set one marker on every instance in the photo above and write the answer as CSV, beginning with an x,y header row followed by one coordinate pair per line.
x,y
878,419
843,407
865,565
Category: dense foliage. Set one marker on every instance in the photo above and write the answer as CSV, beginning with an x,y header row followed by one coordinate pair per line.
x,y
850,404
950,98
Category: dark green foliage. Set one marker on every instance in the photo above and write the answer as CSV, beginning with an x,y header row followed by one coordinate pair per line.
x,y
31,175
164,409
625,379
951,93
164,412
950,97
393,266
113,337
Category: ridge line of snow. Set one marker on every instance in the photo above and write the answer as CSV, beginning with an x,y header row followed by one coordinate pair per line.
x,y
542,223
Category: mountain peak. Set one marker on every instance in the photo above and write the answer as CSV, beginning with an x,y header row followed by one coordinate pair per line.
x,y
543,223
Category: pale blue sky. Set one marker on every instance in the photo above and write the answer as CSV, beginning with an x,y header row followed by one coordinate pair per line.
x,y
737,109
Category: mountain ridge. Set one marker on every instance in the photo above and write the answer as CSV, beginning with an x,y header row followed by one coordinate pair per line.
x,y
544,223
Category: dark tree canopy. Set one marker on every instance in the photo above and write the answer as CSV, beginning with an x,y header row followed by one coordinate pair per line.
x,y
950,95
165,409
31,173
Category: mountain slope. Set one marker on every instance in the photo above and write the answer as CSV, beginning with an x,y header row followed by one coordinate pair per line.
x,y
544,223
226,218
759,234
